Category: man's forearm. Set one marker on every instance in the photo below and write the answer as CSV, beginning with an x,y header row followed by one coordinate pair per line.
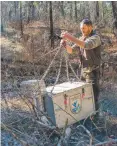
x,y
77,41
73,39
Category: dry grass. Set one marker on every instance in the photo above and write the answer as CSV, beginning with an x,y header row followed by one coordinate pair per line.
x,y
19,116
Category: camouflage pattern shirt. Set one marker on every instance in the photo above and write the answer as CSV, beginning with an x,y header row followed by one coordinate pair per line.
x,y
90,55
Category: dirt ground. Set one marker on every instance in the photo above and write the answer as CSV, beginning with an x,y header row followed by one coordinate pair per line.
x,y
18,64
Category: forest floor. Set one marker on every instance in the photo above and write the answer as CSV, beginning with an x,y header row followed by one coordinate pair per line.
x,y
17,67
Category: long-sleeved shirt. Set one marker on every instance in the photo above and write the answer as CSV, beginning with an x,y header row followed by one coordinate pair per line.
x,y
90,55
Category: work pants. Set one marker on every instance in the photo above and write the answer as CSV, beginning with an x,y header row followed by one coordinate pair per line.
x,y
92,77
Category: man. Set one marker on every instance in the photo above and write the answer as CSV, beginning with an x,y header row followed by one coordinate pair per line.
x,y
89,46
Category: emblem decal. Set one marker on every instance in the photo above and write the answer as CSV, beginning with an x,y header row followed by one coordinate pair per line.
x,y
75,104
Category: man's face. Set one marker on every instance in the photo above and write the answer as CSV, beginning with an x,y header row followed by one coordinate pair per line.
x,y
85,29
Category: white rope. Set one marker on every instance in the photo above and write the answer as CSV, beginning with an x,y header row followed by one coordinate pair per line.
x,y
43,77
48,53
59,71
74,72
66,61
68,64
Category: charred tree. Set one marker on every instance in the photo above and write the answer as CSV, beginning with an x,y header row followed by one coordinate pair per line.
x,y
114,7
76,15
62,8
21,21
94,11
16,7
51,25
31,11
71,10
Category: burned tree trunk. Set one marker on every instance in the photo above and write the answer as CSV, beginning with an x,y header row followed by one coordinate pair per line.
x,y
21,21
62,8
31,11
51,25
86,9
94,11
16,7
71,10
114,7
76,15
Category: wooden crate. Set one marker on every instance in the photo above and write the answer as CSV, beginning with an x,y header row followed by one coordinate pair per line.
x,y
72,102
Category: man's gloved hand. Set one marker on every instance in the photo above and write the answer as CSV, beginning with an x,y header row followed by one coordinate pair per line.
x,y
66,35
68,48
63,43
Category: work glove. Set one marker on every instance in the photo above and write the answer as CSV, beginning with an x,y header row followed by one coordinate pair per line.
x,y
63,43
67,47
66,36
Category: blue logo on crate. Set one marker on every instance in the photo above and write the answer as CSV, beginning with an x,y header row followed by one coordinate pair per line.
x,y
75,105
